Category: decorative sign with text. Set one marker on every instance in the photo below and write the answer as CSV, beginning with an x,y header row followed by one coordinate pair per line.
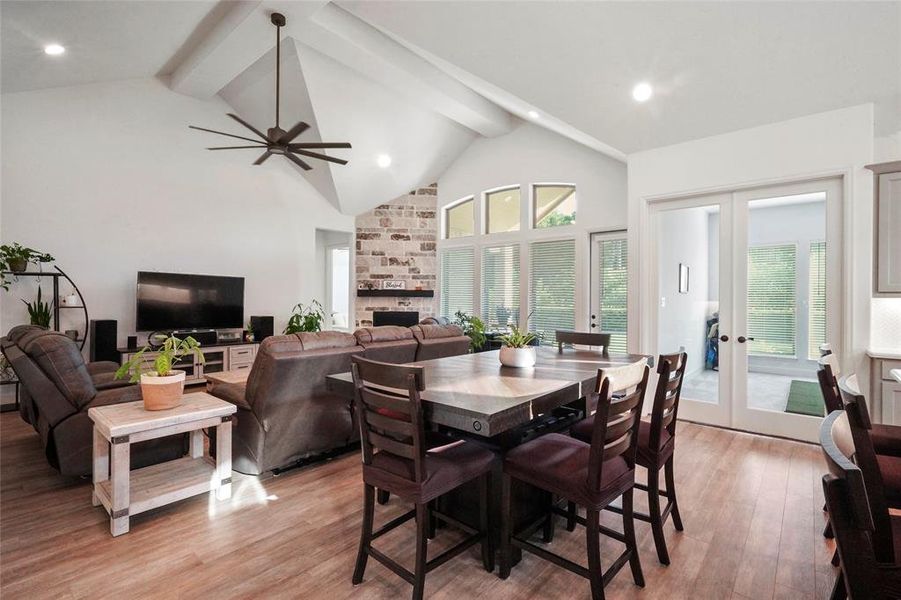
x,y
390,284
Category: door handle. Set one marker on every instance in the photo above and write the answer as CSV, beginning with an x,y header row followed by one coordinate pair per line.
x,y
742,339
724,338
593,325
593,317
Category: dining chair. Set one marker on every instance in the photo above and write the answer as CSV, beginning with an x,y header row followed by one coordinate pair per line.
x,y
656,447
591,475
396,459
862,574
601,340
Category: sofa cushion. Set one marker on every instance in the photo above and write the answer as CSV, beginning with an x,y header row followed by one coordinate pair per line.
x,y
431,332
435,321
324,340
61,361
19,331
385,333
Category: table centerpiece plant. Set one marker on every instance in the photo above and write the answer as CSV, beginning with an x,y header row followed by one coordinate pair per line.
x,y
516,350
162,386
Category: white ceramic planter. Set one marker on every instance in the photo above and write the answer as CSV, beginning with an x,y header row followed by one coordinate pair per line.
x,y
161,393
518,357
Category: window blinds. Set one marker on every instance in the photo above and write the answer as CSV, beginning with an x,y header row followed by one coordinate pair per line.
x,y
612,291
500,286
816,305
552,287
457,274
772,299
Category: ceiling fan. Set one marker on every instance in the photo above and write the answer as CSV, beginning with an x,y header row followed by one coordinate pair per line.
x,y
277,140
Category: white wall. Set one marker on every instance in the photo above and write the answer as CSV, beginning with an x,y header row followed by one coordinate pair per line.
x,y
833,143
531,154
109,179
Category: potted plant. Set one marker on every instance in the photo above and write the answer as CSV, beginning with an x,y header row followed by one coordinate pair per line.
x,y
473,327
161,385
306,318
15,257
39,311
516,351
249,335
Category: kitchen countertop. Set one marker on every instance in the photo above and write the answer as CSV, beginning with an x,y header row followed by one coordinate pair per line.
x,y
889,353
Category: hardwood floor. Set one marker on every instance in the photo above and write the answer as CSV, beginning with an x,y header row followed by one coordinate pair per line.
x,y
751,508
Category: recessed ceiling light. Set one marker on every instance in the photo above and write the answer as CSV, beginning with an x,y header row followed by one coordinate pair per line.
x,y
383,160
534,114
54,49
642,92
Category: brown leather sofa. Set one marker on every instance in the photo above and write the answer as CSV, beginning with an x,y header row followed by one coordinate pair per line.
x,y
285,413
388,343
439,341
61,388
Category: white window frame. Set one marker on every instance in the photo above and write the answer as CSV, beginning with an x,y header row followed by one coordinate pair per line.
x,y
445,219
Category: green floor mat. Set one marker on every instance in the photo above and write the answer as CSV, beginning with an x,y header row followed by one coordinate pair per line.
x,y
805,398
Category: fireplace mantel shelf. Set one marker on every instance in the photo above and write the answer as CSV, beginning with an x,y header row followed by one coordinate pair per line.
x,y
396,293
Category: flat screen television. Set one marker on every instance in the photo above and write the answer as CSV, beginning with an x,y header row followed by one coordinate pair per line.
x,y
168,301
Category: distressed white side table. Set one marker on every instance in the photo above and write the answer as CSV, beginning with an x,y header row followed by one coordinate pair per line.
x,y
124,492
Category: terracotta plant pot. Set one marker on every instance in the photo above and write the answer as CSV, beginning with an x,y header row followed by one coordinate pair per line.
x,y
162,393
18,265
518,357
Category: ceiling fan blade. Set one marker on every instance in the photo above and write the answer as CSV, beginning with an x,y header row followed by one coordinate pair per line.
x,y
293,133
297,161
320,156
248,125
236,147
223,133
262,158
320,145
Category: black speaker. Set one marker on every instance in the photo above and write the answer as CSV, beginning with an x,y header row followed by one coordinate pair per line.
x,y
103,340
262,327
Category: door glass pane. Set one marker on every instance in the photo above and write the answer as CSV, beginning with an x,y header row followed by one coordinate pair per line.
x,y
459,220
500,286
786,302
502,213
339,262
612,290
688,303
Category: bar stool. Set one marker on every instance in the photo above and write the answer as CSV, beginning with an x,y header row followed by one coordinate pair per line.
x,y
656,445
591,475
396,459
601,340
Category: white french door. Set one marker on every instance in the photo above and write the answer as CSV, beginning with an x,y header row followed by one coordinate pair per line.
x,y
609,287
748,283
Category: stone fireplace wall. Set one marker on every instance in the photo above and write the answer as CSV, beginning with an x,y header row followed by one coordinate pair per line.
x,y
397,241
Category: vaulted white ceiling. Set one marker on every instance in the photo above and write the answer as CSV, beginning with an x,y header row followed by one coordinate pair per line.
x,y
420,80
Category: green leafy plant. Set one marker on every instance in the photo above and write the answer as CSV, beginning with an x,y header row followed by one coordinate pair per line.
x,y
517,338
172,350
38,311
306,318
473,327
15,257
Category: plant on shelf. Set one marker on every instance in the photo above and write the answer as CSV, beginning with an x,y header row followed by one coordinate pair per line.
x,y
15,258
473,327
162,386
39,311
306,318
517,350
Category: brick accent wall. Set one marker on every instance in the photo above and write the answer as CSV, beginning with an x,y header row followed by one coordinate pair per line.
x,y
397,241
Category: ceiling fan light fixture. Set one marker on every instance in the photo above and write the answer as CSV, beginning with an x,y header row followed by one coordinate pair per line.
x,y
276,140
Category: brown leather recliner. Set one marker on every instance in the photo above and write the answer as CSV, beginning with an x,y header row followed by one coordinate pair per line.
x,y
435,321
61,389
388,343
285,412
439,341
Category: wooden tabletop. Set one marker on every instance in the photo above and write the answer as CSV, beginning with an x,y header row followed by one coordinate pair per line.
x,y
475,393
131,417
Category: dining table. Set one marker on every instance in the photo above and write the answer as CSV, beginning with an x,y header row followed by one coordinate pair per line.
x,y
474,397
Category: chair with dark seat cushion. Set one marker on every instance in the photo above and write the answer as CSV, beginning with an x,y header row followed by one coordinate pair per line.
x,y
868,538
601,340
591,474
656,444
396,459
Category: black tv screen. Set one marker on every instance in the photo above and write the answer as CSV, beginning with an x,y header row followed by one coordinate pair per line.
x,y
178,301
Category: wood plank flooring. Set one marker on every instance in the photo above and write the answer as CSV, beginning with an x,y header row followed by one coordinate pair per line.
x,y
751,507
